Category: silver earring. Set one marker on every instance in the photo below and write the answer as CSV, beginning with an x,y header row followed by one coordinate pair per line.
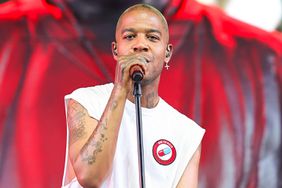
x,y
115,52
166,65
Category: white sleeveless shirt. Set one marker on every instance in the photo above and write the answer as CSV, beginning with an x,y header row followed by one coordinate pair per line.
x,y
169,138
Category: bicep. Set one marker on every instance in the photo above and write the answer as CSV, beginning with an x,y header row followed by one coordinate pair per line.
x,y
189,178
80,126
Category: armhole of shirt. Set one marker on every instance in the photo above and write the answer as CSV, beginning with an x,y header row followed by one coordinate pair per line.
x,y
197,132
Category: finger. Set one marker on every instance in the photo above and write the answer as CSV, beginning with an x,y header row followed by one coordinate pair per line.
x,y
125,62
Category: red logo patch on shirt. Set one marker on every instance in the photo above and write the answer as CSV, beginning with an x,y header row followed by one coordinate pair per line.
x,y
164,152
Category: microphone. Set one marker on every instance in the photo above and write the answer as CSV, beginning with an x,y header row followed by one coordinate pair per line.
x,y
136,73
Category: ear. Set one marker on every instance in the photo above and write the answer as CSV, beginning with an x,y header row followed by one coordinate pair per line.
x,y
114,50
168,53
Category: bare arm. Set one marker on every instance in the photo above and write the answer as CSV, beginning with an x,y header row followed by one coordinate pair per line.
x,y
189,178
93,142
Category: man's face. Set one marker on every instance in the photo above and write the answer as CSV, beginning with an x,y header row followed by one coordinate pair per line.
x,y
143,32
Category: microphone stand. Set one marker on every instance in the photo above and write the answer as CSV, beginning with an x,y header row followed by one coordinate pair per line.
x,y
138,93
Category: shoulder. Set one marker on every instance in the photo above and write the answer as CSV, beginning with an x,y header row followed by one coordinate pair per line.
x,y
100,90
183,122
93,99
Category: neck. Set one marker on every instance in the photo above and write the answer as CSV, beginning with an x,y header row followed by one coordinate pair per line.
x,y
149,98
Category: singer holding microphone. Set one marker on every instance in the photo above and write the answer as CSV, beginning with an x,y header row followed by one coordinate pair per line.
x,y
102,145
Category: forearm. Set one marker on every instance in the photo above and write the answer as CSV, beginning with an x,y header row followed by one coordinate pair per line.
x,y
94,160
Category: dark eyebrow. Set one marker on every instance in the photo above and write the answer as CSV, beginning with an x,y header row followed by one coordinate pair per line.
x,y
153,31
146,30
128,30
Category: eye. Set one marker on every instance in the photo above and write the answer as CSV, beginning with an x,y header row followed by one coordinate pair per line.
x,y
153,38
129,36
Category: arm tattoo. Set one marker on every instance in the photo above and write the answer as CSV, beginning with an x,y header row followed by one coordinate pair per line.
x,y
76,116
94,144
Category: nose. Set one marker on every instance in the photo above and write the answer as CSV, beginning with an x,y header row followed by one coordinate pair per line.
x,y
140,46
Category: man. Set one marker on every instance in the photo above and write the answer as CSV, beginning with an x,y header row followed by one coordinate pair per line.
x,y
102,143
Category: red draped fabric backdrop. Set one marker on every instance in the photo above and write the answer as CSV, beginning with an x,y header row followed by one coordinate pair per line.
x,y
224,74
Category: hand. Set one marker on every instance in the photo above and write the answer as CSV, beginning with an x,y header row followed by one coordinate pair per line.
x,y
124,64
